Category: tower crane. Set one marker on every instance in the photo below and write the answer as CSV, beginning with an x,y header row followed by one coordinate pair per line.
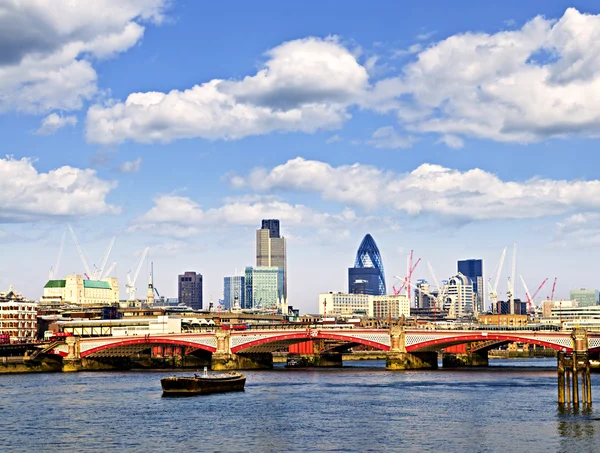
x,y
81,255
511,282
97,274
493,294
410,267
130,287
553,288
437,301
54,270
109,270
531,298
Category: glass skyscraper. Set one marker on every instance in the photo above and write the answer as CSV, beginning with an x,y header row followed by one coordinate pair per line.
x,y
264,287
473,269
234,287
367,276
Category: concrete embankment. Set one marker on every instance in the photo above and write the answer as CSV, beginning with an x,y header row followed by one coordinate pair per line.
x,y
10,365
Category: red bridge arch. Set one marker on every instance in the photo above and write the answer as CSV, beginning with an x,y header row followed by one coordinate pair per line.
x,y
146,340
441,343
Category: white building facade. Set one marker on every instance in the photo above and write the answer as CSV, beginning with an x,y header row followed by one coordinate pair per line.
x,y
18,316
77,290
459,296
345,304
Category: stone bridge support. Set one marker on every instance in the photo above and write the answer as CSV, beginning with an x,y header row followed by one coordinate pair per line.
x,y
223,360
464,356
399,359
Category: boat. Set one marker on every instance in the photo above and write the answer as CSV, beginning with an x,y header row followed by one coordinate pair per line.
x,y
203,385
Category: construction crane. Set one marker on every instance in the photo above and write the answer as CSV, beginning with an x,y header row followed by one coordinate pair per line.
x,y
54,270
109,270
493,294
437,301
130,287
88,273
98,272
410,267
511,281
553,288
531,298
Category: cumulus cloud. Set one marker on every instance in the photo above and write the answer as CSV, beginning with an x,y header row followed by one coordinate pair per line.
x,y
524,85
581,229
47,48
451,141
27,195
178,216
429,189
131,166
305,85
387,137
54,122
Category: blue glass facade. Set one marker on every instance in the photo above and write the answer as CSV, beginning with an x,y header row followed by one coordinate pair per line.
x,y
234,287
472,269
367,276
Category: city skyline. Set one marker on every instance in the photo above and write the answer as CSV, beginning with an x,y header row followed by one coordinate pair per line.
x,y
148,128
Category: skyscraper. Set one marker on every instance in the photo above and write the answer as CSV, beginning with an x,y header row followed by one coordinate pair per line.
x,y
270,248
367,276
234,287
190,290
473,269
264,287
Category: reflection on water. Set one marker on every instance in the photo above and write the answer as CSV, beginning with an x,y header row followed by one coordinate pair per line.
x,y
509,407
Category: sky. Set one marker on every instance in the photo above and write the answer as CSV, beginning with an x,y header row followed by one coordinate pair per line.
x,y
453,130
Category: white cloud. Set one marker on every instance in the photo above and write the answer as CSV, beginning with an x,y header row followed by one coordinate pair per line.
x,y
451,141
131,166
524,85
582,230
46,48
387,137
333,139
26,195
54,122
305,85
177,216
425,36
429,189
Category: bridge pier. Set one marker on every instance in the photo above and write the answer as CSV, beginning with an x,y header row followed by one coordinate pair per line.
x,y
399,359
326,360
250,361
463,356
570,368
414,361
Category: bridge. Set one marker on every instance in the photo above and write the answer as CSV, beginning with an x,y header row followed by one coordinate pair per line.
x,y
405,347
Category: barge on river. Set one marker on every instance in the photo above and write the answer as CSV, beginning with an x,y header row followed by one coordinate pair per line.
x,y
203,385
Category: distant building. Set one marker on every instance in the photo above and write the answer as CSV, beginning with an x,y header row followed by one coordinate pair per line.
x,y
378,306
458,299
424,296
234,287
190,290
264,287
503,320
77,290
271,248
18,316
585,297
519,307
549,305
473,269
367,276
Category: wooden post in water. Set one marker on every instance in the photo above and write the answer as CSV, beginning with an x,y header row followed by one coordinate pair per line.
x,y
560,366
575,380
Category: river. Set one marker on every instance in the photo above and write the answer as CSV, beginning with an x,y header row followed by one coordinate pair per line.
x,y
508,407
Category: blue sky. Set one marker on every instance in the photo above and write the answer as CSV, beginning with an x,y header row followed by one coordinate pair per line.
x,y
178,125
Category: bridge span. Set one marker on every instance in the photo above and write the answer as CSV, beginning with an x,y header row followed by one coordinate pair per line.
x,y
406,348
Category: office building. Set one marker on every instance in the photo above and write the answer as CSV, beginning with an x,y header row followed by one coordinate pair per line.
x,y
264,287
18,316
424,298
458,299
367,276
473,269
585,297
76,290
190,290
271,248
234,289
349,305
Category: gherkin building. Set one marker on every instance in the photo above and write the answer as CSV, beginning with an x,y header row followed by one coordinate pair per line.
x,y
367,276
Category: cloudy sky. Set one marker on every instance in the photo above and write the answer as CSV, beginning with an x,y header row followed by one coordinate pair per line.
x,y
179,125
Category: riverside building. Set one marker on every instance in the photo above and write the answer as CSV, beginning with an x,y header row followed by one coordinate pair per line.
x,y
378,306
76,290
18,316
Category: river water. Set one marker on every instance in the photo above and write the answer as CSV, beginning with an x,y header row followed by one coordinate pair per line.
x,y
509,407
